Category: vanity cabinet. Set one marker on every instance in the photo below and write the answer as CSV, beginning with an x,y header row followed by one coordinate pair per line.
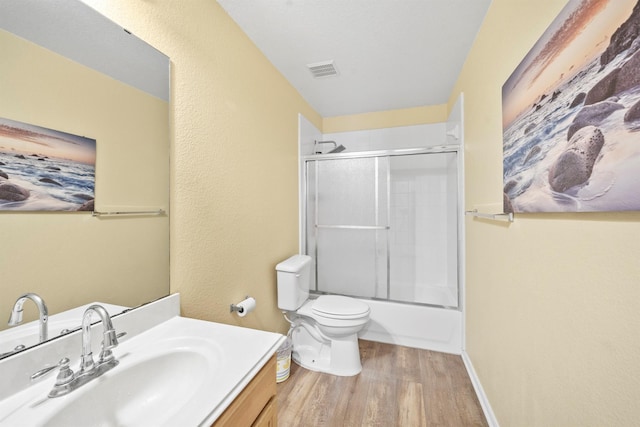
x,y
256,406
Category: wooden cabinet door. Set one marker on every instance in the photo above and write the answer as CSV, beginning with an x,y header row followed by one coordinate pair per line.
x,y
251,402
269,415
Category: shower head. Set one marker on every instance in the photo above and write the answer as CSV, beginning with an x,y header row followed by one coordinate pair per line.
x,y
336,148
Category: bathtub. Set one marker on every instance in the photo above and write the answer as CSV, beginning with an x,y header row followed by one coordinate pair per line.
x,y
425,327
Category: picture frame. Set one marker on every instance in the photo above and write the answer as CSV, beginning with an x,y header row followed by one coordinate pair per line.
x,y
43,169
571,114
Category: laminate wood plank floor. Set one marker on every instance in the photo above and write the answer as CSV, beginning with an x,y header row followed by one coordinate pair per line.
x,y
398,386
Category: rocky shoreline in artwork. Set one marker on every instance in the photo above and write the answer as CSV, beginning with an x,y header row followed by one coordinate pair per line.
x,y
617,91
11,192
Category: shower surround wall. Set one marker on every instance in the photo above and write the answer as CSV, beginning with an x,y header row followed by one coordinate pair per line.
x,y
418,201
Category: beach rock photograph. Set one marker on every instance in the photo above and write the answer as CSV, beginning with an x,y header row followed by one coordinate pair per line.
x,y
571,114
43,169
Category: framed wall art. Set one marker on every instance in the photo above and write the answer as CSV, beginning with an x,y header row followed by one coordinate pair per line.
x,y
571,114
43,169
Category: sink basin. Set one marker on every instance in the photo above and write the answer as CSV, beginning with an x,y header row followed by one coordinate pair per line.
x,y
145,392
181,372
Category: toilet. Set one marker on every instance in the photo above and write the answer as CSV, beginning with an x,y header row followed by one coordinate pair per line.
x,y
325,329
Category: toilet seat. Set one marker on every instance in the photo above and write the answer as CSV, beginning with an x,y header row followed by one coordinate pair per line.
x,y
339,307
347,313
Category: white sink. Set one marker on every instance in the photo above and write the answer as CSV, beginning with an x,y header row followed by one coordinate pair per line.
x,y
181,372
144,391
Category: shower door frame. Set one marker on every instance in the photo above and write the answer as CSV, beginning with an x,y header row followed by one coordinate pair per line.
x,y
456,149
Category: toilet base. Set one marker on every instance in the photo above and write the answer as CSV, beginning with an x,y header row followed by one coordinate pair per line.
x,y
339,356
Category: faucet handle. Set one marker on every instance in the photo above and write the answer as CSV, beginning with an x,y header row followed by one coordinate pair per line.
x,y
110,340
106,355
64,373
42,372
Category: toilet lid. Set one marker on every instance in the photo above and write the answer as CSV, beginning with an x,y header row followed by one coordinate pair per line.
x,y
339,306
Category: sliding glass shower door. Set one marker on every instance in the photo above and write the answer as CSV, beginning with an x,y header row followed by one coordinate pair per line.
x,y
347,221
384,227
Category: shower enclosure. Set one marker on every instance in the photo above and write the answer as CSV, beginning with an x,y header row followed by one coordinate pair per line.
x,y
384,225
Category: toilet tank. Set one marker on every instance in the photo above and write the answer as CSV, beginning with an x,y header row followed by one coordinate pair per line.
x,y
294,277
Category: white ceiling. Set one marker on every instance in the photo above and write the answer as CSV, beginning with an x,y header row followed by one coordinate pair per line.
x,y
389,54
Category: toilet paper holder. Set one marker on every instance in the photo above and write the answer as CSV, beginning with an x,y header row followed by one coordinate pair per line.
x,y
238,308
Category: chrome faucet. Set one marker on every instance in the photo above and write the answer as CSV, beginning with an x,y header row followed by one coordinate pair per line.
x,y
67,381
16,313
87,365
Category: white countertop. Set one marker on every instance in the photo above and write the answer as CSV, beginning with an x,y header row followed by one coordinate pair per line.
x,y
234,356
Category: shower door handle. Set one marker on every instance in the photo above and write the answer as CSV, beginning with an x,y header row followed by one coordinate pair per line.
x,y
355,227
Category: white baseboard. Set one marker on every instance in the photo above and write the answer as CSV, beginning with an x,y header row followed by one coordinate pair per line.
x,y
482,397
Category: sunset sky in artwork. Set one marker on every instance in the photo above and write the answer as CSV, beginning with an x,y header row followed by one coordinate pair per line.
x,y
26,139
580,33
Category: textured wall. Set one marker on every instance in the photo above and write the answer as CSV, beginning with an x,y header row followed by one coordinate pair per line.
x,y
552,299
386,119
234,193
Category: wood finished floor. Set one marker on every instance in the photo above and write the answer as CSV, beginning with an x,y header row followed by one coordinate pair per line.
x,y
398,386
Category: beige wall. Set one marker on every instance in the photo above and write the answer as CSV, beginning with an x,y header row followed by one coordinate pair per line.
x,y
553,319
71,259
234,158
386,119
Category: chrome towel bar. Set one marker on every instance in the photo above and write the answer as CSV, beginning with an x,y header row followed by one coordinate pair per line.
x,y
502,216
152,212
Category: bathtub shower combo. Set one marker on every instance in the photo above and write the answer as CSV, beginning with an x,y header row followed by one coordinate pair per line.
x,y
384,226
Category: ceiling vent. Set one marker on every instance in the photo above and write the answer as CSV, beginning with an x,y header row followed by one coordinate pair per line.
x,y
323,69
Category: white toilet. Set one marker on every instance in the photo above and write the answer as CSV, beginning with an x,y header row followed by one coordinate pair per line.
x,y
325,330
